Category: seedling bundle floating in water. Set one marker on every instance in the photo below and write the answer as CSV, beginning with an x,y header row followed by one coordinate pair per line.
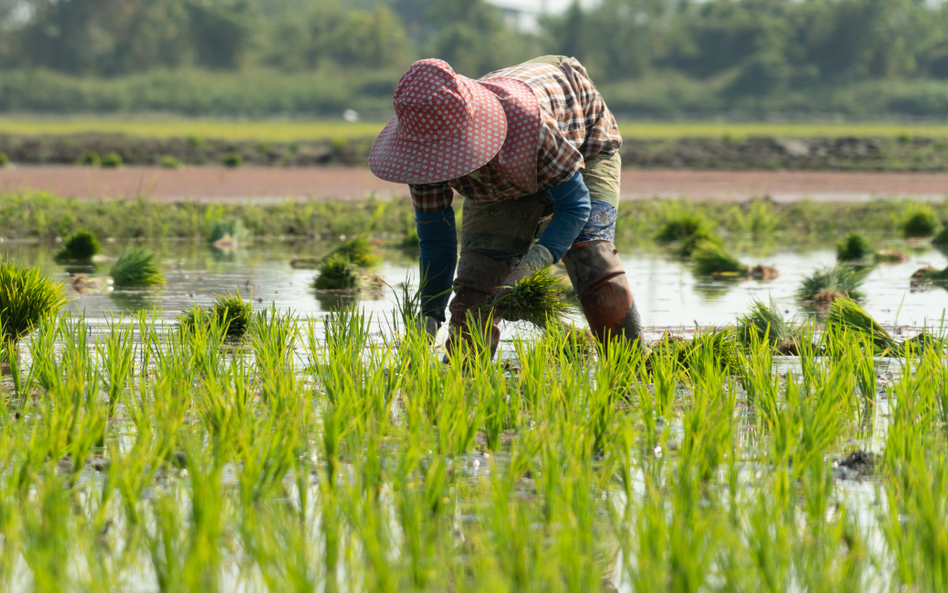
x,y
345,268
826,285
137,267
855,249
80,247
710,258
231,312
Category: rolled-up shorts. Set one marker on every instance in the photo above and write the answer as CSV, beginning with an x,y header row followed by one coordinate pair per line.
x,y
505,230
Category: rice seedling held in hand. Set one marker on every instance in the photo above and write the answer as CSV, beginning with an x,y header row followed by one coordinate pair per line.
x,y
538,298
81,246
26,296
137,267
231,312
826,285
766,322
230,233
846,315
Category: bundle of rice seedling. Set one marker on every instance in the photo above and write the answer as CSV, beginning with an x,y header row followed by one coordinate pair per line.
x,y
846,315
766,323
358,251
231,311
336,272
941,239
229,233
920,222
137,267
25,297
81,246
854,248
710,258
539,298
682,225
929,274
826,285
686,247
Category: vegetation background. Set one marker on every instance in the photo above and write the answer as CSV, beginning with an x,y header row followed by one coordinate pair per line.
x,y
651,58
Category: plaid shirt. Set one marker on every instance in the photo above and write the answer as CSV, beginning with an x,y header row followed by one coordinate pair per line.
x,y
575,125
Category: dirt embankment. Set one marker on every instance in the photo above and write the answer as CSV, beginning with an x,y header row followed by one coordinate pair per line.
x,y
861,154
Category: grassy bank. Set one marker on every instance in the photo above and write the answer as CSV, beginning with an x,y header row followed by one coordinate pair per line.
x,y
46,217
289,130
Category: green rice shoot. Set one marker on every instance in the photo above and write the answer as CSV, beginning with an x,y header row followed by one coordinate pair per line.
x,y
711,258
539,299
137,267
26,296
920,222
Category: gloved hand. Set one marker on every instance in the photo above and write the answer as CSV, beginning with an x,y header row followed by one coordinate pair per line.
x,y
538,258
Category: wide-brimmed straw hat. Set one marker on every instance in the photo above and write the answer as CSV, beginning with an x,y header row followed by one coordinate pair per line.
x,y
445,126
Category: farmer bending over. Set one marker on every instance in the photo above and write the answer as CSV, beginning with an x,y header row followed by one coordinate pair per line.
x,y
533,150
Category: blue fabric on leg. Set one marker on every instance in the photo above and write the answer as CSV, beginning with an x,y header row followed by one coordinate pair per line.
x,y
571,207
601,225
438,240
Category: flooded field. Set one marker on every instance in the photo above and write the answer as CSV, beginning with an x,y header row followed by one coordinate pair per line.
x,y
668,294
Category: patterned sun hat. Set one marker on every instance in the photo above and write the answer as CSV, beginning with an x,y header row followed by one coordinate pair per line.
x,y
445,126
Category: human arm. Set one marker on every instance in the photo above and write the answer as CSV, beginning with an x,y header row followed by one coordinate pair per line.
x,y
438,243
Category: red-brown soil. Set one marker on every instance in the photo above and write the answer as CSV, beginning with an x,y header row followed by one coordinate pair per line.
x,y
218,183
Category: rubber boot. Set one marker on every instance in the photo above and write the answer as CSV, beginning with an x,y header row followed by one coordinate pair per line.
x,y
478,277
597,275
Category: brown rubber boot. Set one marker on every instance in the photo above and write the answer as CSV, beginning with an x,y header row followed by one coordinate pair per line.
x,y
478,277
603,290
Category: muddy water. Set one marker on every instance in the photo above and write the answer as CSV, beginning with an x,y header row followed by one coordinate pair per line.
x,y
667,293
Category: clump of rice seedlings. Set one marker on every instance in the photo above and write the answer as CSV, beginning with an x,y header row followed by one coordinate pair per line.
x,y
229,233
941,239
231,311
359,252
929,274
826,285
766,323
4,159
711,258
846,315
137,267
90,159
578,344
25,297
854,248
411,240
169,162
920,222
722,342
81,246
113,160
686,247
233,160
337,273
538,298
681,226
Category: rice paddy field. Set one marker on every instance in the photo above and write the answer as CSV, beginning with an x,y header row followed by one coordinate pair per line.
x,y
288,130
193,415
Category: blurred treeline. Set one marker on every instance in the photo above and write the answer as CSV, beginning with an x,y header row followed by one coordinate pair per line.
x,y
656,57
